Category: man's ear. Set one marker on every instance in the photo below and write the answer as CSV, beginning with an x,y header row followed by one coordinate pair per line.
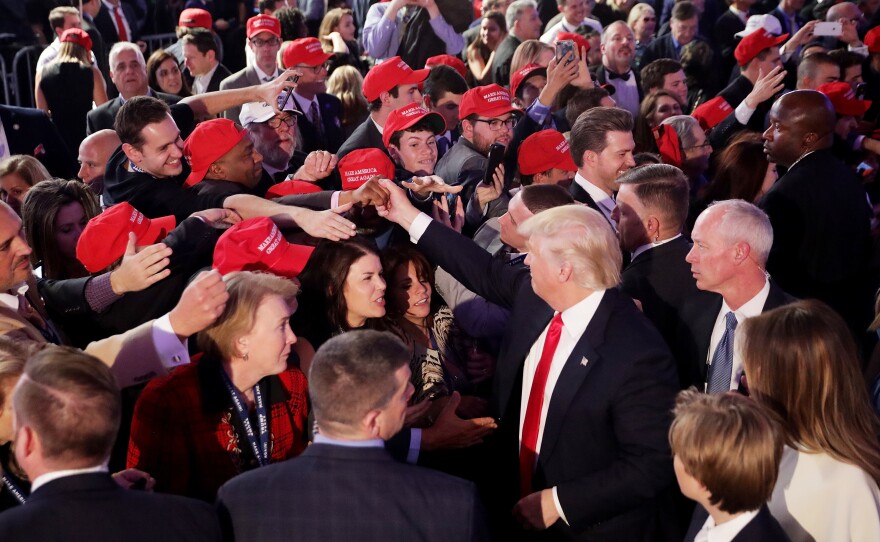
x,y
132,153
428,103
370,423
217,171
394,151
385,98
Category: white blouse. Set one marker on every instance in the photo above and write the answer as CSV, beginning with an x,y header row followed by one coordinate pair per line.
x,y
818,498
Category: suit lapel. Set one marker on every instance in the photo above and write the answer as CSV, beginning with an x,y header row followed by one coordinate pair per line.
x,y
507,374
703,337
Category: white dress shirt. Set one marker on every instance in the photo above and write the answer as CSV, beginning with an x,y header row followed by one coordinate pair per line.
x,y
111,8
562,26
725,532
603,200
44,479
752,307
201,82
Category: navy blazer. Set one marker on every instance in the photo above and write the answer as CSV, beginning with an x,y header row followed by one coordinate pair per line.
x,y
104,24
93,508
29,131
762,528
332,493
331,111
604,444
365,136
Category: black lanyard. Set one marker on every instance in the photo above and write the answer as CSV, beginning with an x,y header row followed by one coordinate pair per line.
x,y
13,488
260,446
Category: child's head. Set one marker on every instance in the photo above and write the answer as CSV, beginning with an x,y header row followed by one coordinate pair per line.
x,y
727,450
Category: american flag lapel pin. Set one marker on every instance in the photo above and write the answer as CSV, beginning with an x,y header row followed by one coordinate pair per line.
x,y
584,361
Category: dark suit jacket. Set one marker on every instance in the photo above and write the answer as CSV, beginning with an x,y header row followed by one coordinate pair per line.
x,y
660,47
29,131
725,40
604,443
103,116
365,136
503,57
821,235
331,110
221,73
243,78
338,494
99,48
762,528
93,508
104,23
694,336
783,20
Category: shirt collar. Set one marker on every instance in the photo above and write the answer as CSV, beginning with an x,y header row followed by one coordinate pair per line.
x,y
649,246
205,79
44,479
262,75
727,531
321,438
10,298
576,317
750,308
304,103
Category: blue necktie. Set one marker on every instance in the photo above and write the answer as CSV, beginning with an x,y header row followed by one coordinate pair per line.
x,y
722,361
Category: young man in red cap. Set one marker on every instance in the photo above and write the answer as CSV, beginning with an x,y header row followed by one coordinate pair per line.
x,y
409,138
189,20
544,158
264,39
202,59
388,86
319,126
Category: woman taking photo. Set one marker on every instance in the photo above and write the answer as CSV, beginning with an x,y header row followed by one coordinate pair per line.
x,y
54,214
801,362
241,406
69,84
481,53
163,74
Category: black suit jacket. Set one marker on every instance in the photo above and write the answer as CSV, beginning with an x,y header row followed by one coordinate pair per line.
x,y
821,235
331,110
99,48
604,443
221,73
762,528
93,508
365,136
104,23
660,47
334,493
691,347
103,116
503,57
29,131
725,39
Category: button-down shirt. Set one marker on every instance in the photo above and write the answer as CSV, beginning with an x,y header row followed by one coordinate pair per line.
x,y
725,532
752,307
605,202
201,82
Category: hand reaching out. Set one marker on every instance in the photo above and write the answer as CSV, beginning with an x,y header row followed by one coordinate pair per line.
x,y
140,269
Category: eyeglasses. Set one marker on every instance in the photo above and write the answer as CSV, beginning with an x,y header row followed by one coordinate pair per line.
x,y
275,122
271,42
315,69
496,124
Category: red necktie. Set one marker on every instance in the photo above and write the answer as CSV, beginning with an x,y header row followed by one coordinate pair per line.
x,y
120,24
532,421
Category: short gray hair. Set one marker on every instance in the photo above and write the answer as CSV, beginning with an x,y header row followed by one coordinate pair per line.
x,y
684,126
515,9
745,222
582,237
120,46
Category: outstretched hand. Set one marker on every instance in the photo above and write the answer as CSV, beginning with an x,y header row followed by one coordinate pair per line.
x,y
329,224
450,431
398,209
201,303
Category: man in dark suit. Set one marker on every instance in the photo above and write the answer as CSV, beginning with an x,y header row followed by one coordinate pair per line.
x,y
388,86
117,22
29,131
732,240
618,48
787,14
65,455
820,216
320,128
90,9
128,71
602,148
683,29
200,55
264,39
346,486
581,407
651,209
523,23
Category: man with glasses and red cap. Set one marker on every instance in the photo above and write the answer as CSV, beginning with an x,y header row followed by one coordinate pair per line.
x,y
264,39
388,86
319,125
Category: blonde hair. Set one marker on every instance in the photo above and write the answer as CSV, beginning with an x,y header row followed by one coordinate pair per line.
x,y
803,364
636,12
73,52
730,444
346,83
581,237
247,291
527,53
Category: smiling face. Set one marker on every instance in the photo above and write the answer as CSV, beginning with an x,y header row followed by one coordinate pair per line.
x,y
168,76
613,161
411,293
676,83
364,291
15,266
665,107
490,34
617,51
70,222
276,145
528,25
268,341
417,152
162,151
575,11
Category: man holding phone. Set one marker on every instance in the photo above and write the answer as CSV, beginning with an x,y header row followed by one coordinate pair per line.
x,y
848,15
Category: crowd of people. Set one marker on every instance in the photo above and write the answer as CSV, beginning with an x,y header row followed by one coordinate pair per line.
x,y
441,270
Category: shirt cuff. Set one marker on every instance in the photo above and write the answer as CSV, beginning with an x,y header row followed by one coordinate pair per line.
x,y
415,444
558,506
418,227
538,112
99,294
743,113
861,50
172,351
334,200
857,143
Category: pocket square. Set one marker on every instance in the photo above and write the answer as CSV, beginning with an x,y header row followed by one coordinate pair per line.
x,y
584,362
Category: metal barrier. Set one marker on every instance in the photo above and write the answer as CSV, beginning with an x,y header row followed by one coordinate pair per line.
x,y
6,80
158,41
24,67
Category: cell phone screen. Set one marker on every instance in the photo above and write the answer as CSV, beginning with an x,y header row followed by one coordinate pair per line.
x,y
563,47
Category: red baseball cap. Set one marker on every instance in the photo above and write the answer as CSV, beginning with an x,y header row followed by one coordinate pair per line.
x,y
77,35
754,43
306,51
488,101
195,18
263,23
844,100
872,40
521,75
105,237
256,244
711,113
389,74
291,186
545,150
406,116
448,60
579,41
358,167
209,142
668,144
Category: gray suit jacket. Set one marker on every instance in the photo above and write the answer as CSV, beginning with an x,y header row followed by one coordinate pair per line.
x,y
246,77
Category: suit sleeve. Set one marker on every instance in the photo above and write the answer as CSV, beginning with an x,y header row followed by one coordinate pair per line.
x,y
787,220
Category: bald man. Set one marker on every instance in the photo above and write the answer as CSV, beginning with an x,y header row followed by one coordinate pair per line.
x,y
818,209
94,152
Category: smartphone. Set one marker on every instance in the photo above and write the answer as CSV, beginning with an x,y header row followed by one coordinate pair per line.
x,y
563,47
288,92
496,156
828,29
